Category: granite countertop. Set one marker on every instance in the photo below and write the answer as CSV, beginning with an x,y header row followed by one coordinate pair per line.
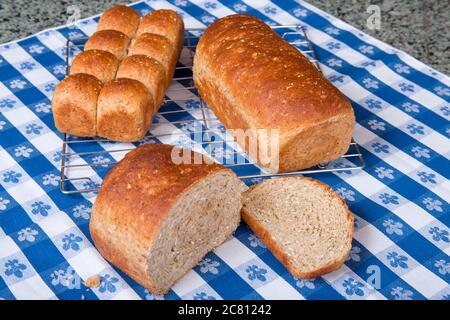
x,y
419,27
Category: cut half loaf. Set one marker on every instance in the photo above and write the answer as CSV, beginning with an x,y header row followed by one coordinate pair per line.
x,y
303,222
155,220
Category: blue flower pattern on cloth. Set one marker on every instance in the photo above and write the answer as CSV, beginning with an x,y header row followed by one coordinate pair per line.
x,y
376,125
378,147
427,177
333,45
366,49
11,176
354,254
255,241
210,5
432,204
405,87
445,110
7,103
393,227
33,128
192,104
438,234
57,156
384,173
107,283
42,107
23,151
4,203
442,266
14,268
27,234
209,265
397,260
66,277
346,193
400,293
270,10
370,83
387,198
336,78
334,62
50,179
71,242
401,68
256,273
373,104
39,207
81,211
301,13
353,287
27,65
203,296
415,129
441,91
420,152
411,107
307,284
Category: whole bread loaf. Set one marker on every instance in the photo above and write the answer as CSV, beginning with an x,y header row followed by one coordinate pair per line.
x,y
136,73
253,79
155,219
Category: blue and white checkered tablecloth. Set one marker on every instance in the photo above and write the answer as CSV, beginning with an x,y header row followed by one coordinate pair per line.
x,y
401,199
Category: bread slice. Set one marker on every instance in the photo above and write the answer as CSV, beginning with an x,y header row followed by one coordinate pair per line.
x,y
303,222
155,220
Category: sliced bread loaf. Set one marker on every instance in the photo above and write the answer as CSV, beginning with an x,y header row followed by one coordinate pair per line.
x,y
304,223
155,220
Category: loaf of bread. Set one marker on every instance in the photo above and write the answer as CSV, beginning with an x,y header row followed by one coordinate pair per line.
x,y
155,220
253,79
74,104
302,221
135,77
99,63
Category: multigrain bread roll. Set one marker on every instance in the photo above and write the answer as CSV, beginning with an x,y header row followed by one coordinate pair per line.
x,y
101,64
302,221
148,71
156,47
74,104
112,41
253,79
124,110
155,220
135,81
120,18
166,23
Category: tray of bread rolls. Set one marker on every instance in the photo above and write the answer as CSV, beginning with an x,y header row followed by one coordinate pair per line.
x,y
183,119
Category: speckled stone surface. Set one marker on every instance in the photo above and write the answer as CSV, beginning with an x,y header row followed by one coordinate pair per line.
x,y
419,27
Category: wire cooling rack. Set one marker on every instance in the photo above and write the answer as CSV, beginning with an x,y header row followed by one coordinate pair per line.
x,y
183,120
